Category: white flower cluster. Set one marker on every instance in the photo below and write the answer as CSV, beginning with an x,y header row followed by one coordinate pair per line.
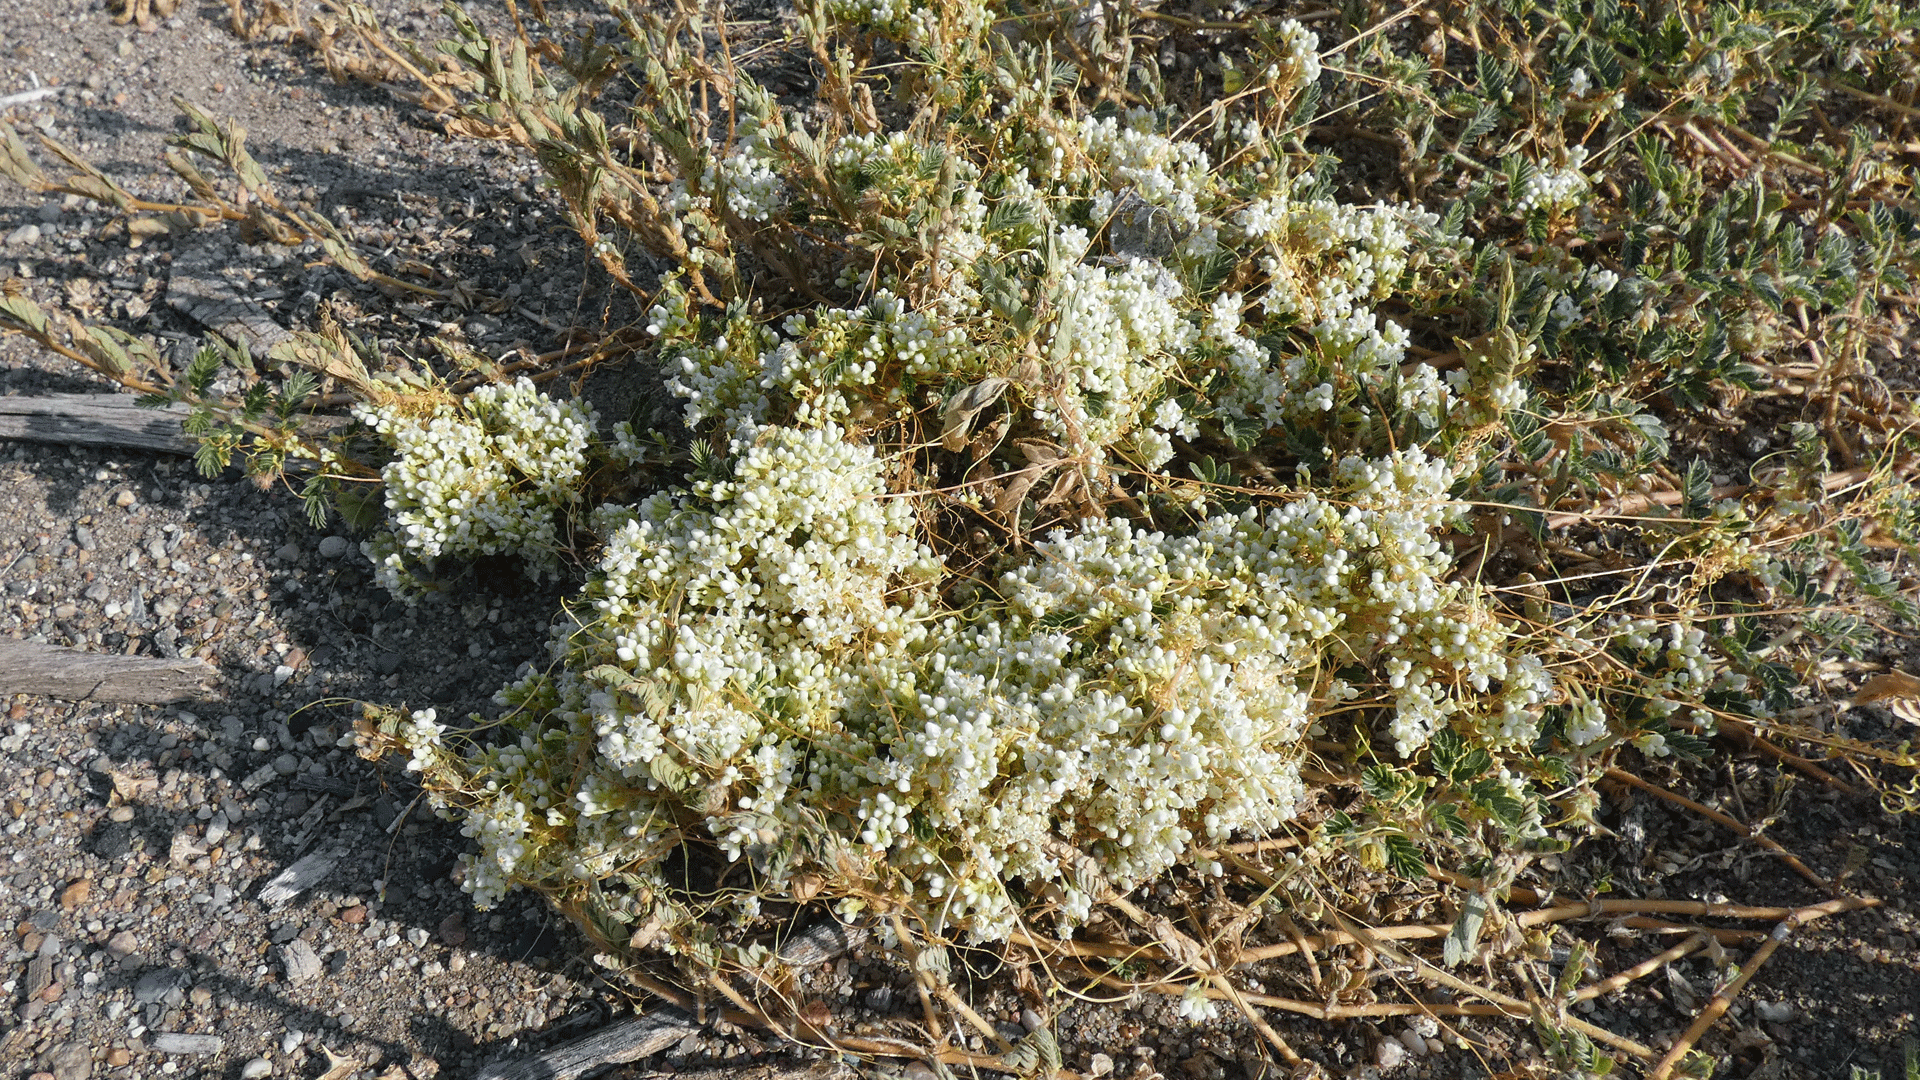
x,y
484,477
748,177
768,642
1129,157
1557,188
1300,62
916,25
763,658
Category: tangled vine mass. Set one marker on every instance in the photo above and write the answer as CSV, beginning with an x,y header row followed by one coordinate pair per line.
x,y
1063,328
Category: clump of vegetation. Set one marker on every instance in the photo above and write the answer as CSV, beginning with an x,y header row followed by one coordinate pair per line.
x,y
1086,464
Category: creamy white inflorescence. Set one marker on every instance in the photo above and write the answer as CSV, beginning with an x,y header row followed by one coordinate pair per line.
x,y
769,651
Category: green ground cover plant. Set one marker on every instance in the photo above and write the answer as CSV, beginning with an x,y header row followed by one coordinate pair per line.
x,y
1299,470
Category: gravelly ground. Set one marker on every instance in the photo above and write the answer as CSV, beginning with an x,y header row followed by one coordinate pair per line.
x,y
137,839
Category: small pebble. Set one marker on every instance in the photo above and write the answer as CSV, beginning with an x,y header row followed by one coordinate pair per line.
x,y
1099,1065
122,945
302,964
24,236
125,498
155,985
333,546
291,1040
257,1069
69,1061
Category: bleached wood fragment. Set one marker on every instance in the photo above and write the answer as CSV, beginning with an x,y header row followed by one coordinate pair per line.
x,y
28,667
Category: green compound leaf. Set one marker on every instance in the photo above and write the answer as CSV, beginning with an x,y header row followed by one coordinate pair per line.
x,y
1492,797
23,313
1403,857
1454,759
670,773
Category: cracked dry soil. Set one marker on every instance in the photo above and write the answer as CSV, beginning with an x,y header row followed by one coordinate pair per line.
x,y
135,941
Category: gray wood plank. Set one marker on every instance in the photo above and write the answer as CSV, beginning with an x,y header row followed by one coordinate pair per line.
x,y
94,420
28,667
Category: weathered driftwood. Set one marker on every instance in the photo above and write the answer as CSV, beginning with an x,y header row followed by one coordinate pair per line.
x,y
615,1044
94,420
644,1036
824,941
818,1070
177,1042
299,877
198,289
28,667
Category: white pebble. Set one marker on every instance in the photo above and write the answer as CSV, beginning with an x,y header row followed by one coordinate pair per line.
x,y
257,1069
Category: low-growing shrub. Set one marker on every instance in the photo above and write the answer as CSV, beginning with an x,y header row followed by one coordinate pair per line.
x,y
1075,473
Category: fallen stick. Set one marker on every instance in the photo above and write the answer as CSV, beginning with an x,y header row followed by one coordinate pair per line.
x,y
615,1044
298,878
1767,842
28,667
1512,1005
1645,967
94,420
818,1070
27,97
1724,999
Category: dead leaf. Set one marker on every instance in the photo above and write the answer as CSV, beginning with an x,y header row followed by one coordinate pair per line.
x,y
1063,488
183,850
339,1066
129,787
147,228
958,416
1895,691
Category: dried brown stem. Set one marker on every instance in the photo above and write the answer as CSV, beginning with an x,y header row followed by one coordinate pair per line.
x,y
1233,994
1724,999
1514,1005
1625,777
1748,737
1645,967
